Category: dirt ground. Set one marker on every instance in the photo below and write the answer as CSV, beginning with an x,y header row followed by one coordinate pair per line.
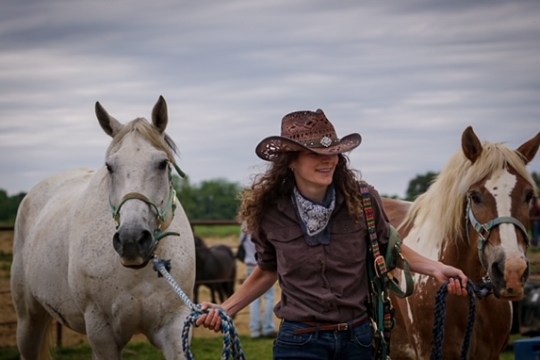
x,y
70,338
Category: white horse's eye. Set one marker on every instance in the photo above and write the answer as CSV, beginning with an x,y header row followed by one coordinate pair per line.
x,y
163,164
109,167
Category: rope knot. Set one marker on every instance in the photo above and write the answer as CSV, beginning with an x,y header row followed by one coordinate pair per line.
x,y
165,263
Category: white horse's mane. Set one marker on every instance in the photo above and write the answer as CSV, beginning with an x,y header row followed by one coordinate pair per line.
x,y
445,199
143,127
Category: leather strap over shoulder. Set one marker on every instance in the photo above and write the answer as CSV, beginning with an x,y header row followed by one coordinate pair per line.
x,y
384,266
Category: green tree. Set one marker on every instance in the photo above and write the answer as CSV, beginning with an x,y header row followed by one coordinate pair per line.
x,y
419,185
536,178
215,199
9,206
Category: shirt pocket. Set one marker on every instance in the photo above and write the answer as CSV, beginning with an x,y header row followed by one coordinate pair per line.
x,y
349,241
292,252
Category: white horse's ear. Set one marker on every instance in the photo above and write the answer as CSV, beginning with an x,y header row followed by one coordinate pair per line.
x,y
110,125
159,115
529,149
470,144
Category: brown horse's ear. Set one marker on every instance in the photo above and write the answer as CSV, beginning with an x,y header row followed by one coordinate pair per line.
x,y
472,147
110,125
159,115
528,150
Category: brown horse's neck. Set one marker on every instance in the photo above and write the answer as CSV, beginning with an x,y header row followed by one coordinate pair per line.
x,y
463,255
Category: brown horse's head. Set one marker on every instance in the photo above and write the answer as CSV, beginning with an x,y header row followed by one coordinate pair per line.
x,y
497,210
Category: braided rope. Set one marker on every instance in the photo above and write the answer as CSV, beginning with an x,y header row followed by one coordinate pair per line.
x,y
231,341
475,292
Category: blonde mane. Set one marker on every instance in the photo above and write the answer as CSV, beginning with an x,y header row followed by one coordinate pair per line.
x,y
146,130
445,199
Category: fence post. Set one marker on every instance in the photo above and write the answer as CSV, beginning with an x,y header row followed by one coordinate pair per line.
x,y
58,334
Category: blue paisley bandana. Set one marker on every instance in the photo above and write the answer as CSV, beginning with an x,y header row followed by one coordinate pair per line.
x,y
315,217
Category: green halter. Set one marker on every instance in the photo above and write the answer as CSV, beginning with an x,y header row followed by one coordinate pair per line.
x,y
484,230
164,216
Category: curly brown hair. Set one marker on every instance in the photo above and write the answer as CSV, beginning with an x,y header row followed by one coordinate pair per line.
x,y
278,181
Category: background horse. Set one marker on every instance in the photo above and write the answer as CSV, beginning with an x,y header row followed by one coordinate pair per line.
x,y
216,269
474,216
75,262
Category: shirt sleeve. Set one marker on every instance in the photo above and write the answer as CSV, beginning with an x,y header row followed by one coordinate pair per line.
x,y
265,253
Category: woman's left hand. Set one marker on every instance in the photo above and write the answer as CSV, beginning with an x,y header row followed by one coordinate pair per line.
x,y
457,281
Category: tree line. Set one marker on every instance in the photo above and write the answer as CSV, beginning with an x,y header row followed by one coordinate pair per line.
x,y
216,199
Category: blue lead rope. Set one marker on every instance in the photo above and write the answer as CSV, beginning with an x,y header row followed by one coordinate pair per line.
x,y
231,341
475,291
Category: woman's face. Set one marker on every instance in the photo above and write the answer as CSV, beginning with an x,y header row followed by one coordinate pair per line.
x,y
312,171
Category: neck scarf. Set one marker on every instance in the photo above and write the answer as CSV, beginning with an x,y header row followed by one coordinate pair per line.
x,y
315,217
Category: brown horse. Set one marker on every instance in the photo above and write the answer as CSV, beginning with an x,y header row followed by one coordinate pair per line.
x,y
474,216
215,269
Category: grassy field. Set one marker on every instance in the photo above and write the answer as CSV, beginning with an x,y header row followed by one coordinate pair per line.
x,y
202,349
217,231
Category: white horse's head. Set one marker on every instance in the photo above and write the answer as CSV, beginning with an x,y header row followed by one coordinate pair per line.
x,y
139,163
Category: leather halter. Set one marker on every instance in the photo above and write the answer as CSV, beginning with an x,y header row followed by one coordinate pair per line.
x,y
484,230
164,216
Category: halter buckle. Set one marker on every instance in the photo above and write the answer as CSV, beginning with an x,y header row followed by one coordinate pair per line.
x,y
483,231
380,265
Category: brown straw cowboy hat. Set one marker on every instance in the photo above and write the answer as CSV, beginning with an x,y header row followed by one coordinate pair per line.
x,y
306,130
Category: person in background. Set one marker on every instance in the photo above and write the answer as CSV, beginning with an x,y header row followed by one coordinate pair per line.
x,y
259,326
535,221
305,216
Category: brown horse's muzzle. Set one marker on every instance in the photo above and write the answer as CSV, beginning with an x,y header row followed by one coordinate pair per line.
x,y
509,276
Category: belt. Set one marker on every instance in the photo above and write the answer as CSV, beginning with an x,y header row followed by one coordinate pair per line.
x,y
315,327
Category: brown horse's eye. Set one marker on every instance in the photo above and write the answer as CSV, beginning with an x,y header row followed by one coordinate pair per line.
x,y
475,197
529,197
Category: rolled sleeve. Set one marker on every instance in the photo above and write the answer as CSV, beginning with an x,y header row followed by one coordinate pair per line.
x,y
265,253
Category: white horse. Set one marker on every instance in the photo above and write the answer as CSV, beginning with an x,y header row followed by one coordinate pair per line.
x,y
83,241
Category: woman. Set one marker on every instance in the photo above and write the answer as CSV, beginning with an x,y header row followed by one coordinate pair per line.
x,y
306,218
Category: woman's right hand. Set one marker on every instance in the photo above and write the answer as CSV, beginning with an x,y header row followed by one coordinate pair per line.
x,y
210,319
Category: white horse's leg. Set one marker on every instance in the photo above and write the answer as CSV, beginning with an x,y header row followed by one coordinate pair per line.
x,y
103,340
33,321
33,332
169,337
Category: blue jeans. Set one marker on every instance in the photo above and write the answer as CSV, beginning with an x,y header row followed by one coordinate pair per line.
x,y
352,344
264,326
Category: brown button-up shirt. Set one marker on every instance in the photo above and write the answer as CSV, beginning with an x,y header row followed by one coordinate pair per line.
x,y
319,283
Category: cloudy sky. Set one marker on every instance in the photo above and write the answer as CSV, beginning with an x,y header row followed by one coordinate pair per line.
x,y
409,76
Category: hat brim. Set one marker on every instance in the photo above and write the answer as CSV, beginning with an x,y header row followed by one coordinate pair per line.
x,y
271,147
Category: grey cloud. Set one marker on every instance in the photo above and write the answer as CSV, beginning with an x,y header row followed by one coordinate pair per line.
x,y
409,76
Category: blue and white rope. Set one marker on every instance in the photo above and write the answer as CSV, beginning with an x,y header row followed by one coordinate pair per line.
x,y
231,342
